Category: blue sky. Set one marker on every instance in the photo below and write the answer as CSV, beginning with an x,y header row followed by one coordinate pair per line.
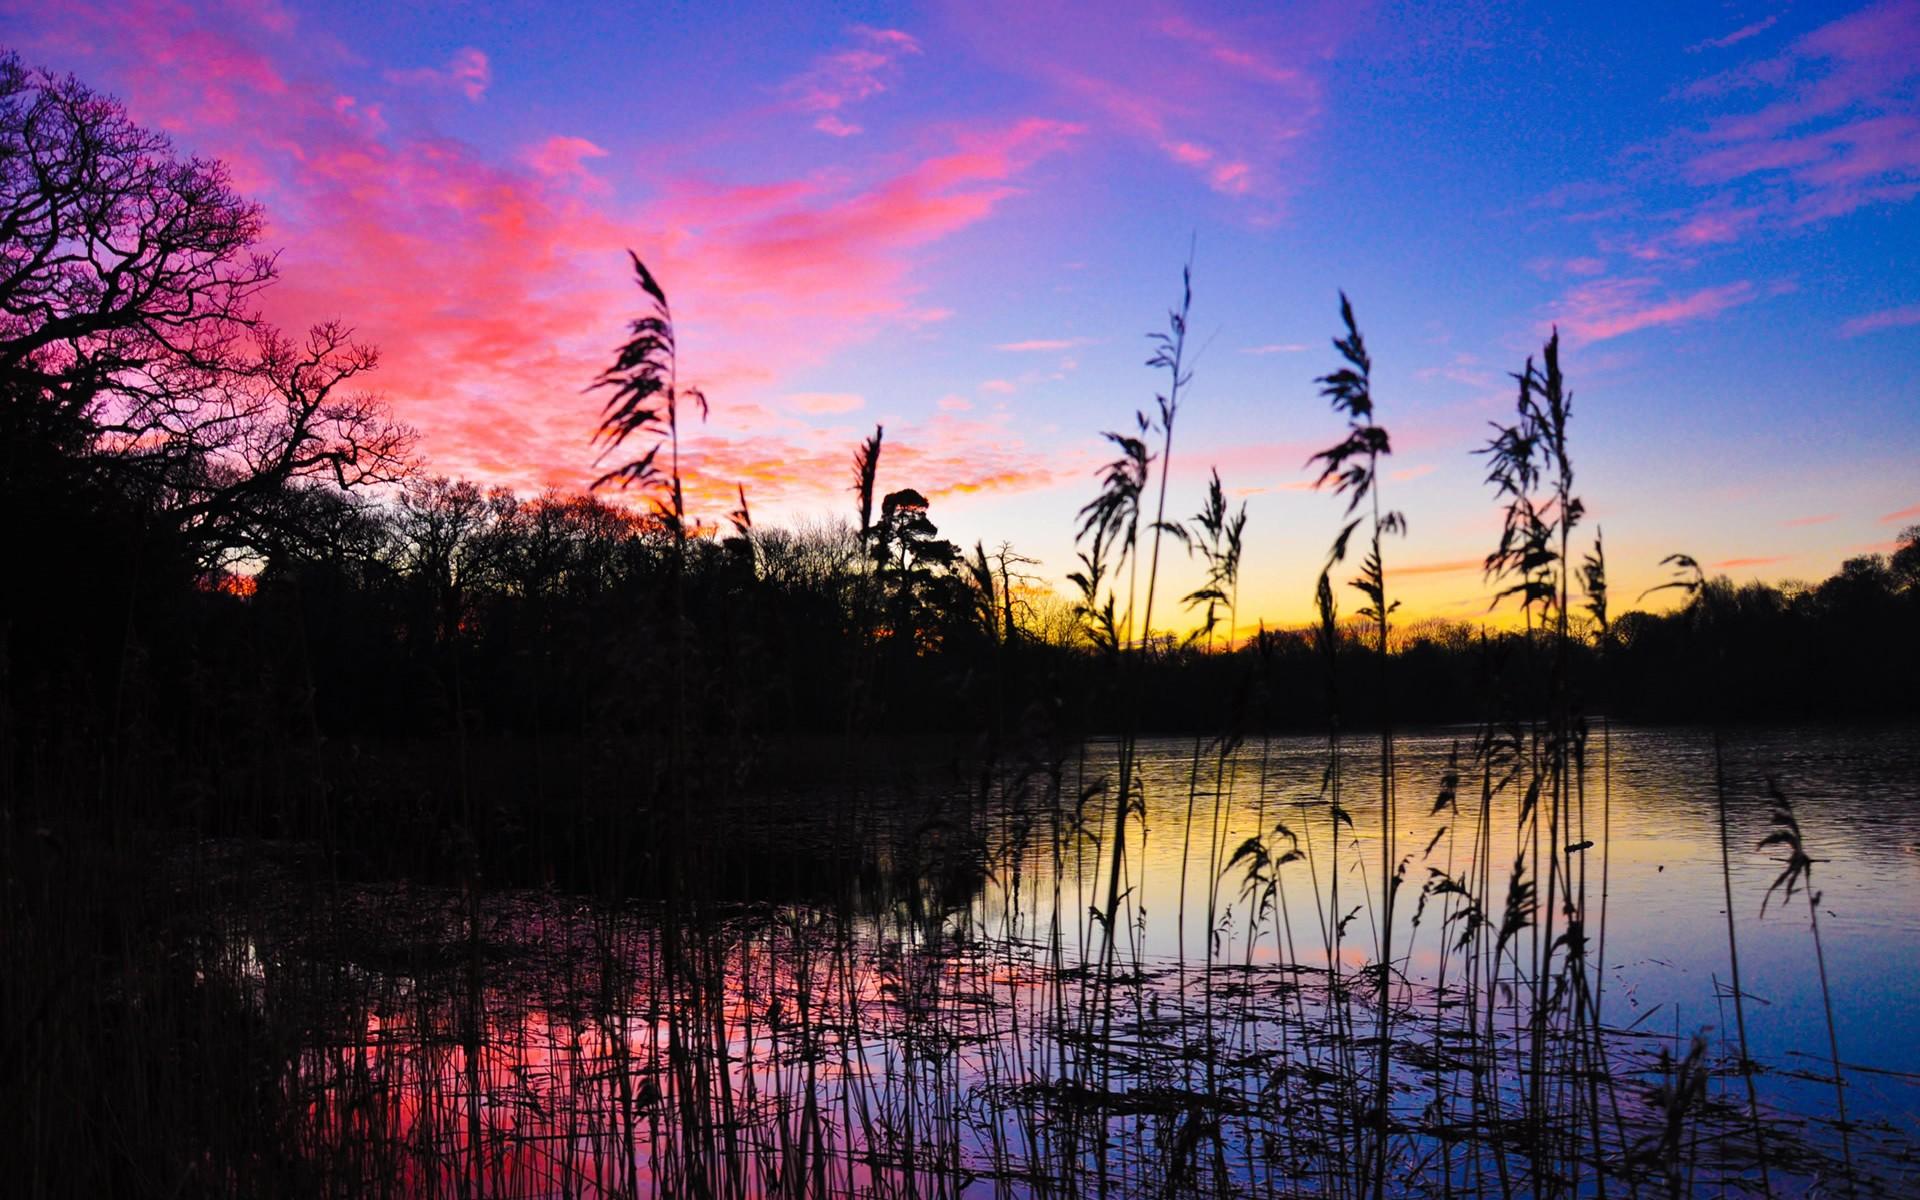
x,y
959,220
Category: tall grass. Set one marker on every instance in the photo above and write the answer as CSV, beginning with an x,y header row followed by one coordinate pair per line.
x,y
1353,467
921,980
1796,873
1692,580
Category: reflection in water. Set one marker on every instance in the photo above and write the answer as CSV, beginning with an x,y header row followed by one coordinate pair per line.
x,y
942,1031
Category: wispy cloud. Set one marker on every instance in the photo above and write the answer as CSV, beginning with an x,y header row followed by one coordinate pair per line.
x,y
1033,345
837,82
1464,369
468,72
1608,308
1454,567
938,458
1771,147
562,157
1904,514
1820,519
1583,266
1875,322
1836,130
1736,37
1276,348
820,403
1734,564
1229,99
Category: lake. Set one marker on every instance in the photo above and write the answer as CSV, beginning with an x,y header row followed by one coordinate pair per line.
x,y
952,1017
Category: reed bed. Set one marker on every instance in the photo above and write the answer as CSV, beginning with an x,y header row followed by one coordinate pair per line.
x,y
1089,965
914,1041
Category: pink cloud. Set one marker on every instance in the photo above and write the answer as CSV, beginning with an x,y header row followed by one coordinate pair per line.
x,y
369,116
806,263
846,77
469,72
496,290
1233,178
950,454
1838,131
834,126
561,157
820,403
777,277
1039,344
1580,266
956,454
1609,308
1713,228
1245,459
1904,514
1464,369
1888,318
1234,54
197,76
1231,100
939,462
1818,519
1823,128
1732,564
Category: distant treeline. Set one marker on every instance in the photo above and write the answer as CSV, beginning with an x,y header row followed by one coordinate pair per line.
x,y
529,615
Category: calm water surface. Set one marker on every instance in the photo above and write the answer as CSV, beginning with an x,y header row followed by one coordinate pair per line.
x,y
1857,794
916,1038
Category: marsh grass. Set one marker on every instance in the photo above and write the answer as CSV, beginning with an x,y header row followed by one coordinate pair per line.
x,y
1690,579
1796,874
922,983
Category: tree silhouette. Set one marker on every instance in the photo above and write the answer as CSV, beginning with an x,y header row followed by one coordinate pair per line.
x,y
132,359
453,540
1905,563
129,273
911,560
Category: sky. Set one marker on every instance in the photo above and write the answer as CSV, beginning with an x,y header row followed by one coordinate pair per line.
x,y
960,220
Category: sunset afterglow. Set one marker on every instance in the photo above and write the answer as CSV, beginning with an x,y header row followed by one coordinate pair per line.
x,y
957,220
1132,600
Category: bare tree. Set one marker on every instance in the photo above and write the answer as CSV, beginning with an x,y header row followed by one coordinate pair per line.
x,y
452,537
126,269
132,356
